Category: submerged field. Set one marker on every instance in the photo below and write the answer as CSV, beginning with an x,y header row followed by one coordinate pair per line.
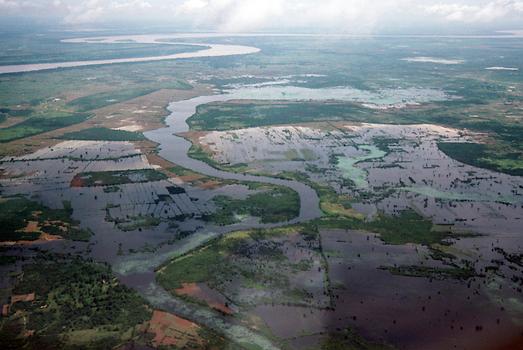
x,y
413,148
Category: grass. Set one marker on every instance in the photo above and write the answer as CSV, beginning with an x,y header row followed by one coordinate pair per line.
x,y
331,203
485,156
103,134
138,223
461,273
407,227
103,99
16,214
273,204
229,116
252,257
348,339
117,177
41,124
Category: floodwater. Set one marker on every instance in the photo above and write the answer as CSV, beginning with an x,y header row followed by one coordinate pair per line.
x,y
443,313
174,148
410,312
380,99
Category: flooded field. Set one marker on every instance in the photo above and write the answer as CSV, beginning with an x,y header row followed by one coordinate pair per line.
x,y
428,313
381,99
135,206
393,167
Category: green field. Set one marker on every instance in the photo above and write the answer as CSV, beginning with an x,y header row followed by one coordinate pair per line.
x,y
229,116
103,134
265,265
41,124
104,99
114,178
461,273
273,204
406,227
485,156
349,339
16,213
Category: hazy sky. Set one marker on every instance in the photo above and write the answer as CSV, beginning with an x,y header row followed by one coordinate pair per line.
x,y
357,16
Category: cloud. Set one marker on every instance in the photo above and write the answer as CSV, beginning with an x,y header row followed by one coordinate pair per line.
x,y
477,13
244,15
98,10
346,16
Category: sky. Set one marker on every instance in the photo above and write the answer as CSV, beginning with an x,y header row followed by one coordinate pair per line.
x,y
341,16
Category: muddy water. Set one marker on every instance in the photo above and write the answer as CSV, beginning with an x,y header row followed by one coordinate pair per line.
x,y
412,313
174,148
137,271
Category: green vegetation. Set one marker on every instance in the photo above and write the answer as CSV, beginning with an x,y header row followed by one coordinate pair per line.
x,y
272,204
485,156
8,112
230,116
103,134
348,339
22,219
385,143
7,259
138,223
40,124
253,259
114,178
331,203
504,154
197,152
407,227
454,272
76,302
102,99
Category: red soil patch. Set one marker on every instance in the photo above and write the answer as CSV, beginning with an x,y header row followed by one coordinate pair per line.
x,y
77,181
195,291
5,310
32,226
190,178
171,330
209,185
22,297
15,299
44,238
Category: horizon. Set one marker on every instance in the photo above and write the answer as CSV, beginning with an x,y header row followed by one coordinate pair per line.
x,y
331,16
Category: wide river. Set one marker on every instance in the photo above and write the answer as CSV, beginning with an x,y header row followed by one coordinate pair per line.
x,y
208,50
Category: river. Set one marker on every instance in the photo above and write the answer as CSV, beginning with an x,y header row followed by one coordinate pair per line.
x,y
208,50
137,270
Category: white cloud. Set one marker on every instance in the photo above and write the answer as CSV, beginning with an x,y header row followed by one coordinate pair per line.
x,y
242,15
353,16
478,13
